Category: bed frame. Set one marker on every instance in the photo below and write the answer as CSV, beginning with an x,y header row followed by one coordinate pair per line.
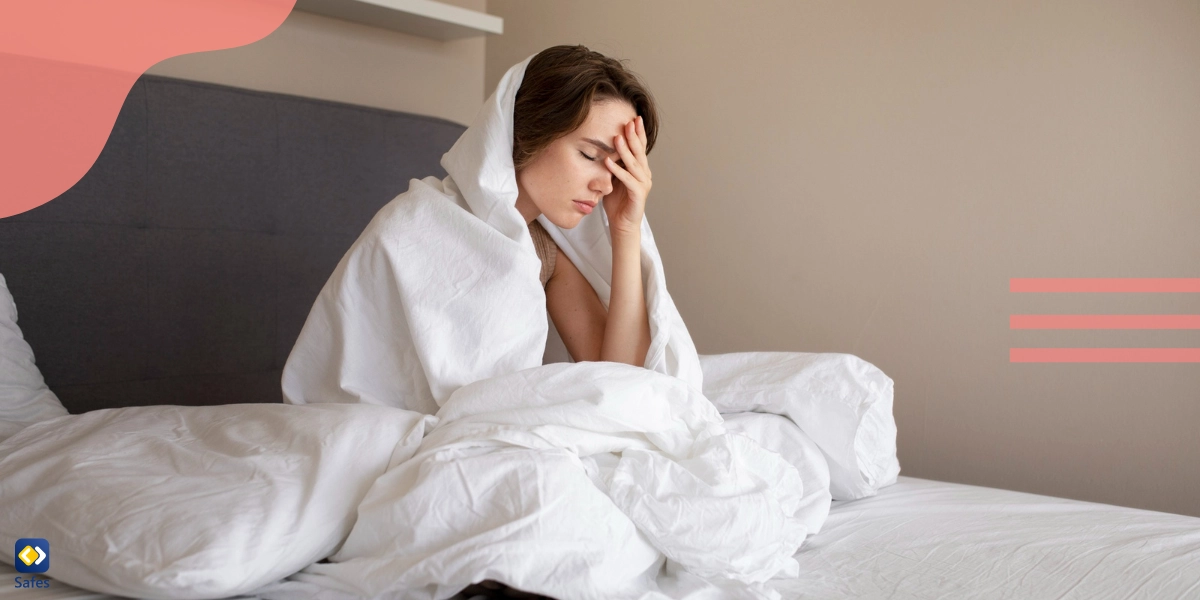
x,y
181,268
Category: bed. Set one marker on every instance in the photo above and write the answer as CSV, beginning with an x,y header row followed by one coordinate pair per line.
x,y
181,268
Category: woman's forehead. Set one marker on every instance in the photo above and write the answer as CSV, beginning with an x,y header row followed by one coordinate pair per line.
x,y
606,119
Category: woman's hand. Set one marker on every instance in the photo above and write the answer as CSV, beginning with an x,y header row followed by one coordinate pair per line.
x,y
627,202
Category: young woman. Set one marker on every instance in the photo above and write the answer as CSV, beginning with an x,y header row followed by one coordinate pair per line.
x,y
582,129
442,288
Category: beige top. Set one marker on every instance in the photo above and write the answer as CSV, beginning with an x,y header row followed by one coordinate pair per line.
x,y
547,250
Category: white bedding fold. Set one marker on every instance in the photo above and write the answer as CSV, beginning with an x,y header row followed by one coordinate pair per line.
x,y
841,401
574,481
196,502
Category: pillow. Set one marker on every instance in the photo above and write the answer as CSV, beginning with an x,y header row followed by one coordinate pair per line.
x,y
24,397
841,401
196,502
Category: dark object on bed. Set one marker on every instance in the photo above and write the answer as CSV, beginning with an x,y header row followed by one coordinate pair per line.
x,y
181,268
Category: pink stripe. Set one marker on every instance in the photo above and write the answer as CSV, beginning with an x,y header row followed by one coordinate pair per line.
x,y
1104,355
1104,322
1105,285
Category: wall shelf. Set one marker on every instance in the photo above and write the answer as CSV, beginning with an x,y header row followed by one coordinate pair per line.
x,y
425,18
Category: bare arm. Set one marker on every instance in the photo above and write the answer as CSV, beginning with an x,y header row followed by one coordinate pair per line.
x,y
627,332
589,332
576,310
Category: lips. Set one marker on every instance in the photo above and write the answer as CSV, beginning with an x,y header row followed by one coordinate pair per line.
x,y
584,207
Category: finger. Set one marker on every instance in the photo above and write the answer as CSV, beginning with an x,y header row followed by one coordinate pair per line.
x,y
624,176
636,144
641,128
633,164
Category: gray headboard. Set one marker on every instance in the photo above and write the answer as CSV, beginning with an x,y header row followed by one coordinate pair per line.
x,y
181,268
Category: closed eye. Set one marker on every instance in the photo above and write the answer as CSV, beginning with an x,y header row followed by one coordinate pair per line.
x,y
620,163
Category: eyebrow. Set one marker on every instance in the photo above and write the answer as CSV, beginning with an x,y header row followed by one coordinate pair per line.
x,y
601,145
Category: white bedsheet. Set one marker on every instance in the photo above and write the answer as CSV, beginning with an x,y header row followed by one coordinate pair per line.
x,y
930,539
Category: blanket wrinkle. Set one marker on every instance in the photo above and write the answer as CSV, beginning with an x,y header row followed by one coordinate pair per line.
x,y
544,452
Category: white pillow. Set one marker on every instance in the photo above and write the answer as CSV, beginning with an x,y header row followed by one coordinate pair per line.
x,y
841,401
196,502
24,397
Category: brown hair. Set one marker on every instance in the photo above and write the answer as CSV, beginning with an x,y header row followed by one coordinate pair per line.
x,y
557,91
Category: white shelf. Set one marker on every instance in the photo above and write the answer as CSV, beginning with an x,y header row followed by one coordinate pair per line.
x,y
425,18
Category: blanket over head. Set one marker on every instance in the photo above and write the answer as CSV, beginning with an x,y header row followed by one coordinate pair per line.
x,y
442,289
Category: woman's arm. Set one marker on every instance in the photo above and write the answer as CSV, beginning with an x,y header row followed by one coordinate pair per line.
x,y
576,310
627,332
590,333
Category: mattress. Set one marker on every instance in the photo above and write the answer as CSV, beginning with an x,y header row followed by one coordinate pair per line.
x,y
930,539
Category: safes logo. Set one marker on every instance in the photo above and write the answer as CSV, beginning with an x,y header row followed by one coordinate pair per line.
x,y
32,555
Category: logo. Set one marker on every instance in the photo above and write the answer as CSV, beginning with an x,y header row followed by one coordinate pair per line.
x,y
32,555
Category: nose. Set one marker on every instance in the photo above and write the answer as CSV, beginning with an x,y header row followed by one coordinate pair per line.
x,y
603,184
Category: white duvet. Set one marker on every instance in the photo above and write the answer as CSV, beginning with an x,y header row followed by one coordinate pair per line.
x,y
574,481
195,502
588,480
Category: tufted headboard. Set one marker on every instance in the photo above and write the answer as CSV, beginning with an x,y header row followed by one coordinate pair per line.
x,y
181,268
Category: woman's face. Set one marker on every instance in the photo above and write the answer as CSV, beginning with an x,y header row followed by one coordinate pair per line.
x,y
568,179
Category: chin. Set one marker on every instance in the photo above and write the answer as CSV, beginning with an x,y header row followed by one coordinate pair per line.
x,y
568,222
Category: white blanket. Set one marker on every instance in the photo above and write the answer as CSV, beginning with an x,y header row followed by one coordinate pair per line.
x,y
843,402
574,481
195,502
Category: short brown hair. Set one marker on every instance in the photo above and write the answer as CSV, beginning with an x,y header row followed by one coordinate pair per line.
x,y
557,92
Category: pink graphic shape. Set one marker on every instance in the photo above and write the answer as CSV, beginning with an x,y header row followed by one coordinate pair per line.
x,y
1176,285
1104,322
1104,355
67,66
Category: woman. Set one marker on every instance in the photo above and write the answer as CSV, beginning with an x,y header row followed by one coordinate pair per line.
x,y
583,127
580,137
452,281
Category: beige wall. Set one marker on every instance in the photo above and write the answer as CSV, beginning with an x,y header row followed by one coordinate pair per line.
x,y
865,177
320,57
